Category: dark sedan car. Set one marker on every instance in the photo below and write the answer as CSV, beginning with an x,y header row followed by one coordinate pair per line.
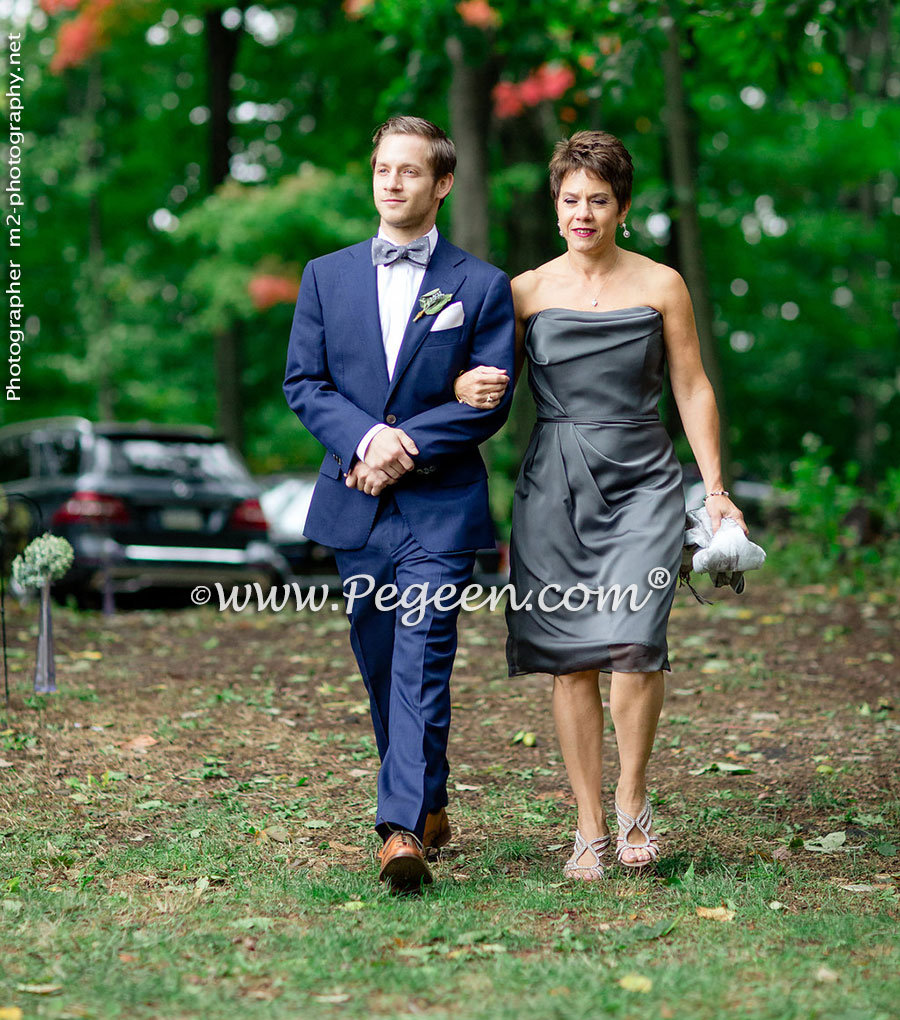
x,y
285,501
143,505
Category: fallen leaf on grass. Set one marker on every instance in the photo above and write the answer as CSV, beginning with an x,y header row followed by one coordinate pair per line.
x,y
344,848
4,764
264,993
716,666
277,832
145,805
720,766
316,823
635,983
88,653
352,905
526,738
39,989
359,773
644,932
715,913
335,999
826,844
826,975
776,905
200,887
463,787
862,887
139,743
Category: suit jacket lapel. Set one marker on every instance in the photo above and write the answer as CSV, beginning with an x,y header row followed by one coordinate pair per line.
x,y
361,296
444,272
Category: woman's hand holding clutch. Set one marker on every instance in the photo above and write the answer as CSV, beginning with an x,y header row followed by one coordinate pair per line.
x,y
482,387
719,507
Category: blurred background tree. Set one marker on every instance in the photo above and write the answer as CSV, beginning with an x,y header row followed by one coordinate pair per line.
x,y
185,160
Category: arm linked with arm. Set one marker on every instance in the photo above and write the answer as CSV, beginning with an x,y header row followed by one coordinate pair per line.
x,y
451,426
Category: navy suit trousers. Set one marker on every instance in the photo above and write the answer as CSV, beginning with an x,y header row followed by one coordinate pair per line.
x,y
406,666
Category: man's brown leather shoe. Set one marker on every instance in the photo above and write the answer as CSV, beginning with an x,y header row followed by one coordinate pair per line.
x,y
403,863
437,830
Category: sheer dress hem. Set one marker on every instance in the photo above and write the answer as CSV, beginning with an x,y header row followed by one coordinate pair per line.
x,y
631,657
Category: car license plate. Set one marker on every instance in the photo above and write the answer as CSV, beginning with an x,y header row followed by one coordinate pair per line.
x,y
181,519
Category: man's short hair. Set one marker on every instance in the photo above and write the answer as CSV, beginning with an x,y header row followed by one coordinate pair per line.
x,y
441,150
600,154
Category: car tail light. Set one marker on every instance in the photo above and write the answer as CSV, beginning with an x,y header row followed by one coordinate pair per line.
x,y
248,516
92,508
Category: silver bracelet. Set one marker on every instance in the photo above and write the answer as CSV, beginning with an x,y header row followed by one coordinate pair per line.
x,y
718,492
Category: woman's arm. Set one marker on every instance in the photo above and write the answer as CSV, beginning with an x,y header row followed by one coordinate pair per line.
x,y
694,393
485,385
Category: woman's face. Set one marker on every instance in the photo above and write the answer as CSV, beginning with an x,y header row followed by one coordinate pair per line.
x,y
588,212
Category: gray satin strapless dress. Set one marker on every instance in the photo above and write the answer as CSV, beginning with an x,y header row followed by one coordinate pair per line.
x,y
598,500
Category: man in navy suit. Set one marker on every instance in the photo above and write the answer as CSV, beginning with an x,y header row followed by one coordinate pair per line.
x,y
380,332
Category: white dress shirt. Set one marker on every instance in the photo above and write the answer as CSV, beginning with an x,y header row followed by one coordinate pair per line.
x,y
398,287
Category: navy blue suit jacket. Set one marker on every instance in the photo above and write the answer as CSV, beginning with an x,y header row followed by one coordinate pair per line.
x,y
336,382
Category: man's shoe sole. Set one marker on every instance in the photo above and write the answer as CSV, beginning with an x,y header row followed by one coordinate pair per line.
x,y
406,872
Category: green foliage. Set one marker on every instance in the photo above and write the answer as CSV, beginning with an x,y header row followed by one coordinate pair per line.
x,y
838,529
820,498
133,265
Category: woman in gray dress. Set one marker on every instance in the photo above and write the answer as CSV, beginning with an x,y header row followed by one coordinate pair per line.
x,y
598,514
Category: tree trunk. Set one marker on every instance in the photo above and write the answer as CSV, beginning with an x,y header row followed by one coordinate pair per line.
x,y
221,53
100,312
470,117
869,62
681,150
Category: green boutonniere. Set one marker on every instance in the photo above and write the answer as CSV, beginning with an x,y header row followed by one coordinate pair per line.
x,y
432,302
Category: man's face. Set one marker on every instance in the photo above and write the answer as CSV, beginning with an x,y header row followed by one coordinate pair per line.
x,y
406,193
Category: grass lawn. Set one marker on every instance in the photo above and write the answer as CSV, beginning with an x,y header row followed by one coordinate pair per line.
x,y
185,828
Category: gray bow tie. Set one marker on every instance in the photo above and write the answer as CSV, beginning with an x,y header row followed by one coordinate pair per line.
x,y
384,253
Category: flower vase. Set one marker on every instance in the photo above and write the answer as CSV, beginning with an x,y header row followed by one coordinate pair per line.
x,y
45,667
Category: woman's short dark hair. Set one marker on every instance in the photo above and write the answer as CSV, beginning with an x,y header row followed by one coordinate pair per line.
x,y
600,154
441,150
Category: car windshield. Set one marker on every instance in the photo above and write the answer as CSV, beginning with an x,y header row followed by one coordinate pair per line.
x,y
169,458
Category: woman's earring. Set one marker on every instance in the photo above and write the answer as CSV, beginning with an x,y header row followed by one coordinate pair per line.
x,y
561,234
625,231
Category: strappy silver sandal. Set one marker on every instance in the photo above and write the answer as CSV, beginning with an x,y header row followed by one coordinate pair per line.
x,y
642,823
597,847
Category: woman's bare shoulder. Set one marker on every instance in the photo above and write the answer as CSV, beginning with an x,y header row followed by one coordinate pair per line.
x,y
527,286
658,282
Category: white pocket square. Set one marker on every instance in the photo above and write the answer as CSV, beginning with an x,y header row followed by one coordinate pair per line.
x,y
449,317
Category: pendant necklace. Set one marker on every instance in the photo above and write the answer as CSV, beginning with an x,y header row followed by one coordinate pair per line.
x,y
595,301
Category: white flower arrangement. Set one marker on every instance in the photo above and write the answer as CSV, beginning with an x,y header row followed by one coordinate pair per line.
x,y
45,559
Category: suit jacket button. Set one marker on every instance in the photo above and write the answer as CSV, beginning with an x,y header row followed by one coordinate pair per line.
x,y
391,419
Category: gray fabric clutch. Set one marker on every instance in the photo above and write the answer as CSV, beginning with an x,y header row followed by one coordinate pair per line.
x,y
724,555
